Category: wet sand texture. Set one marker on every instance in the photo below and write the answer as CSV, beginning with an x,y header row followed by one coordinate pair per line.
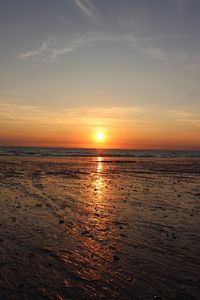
x,y
88,228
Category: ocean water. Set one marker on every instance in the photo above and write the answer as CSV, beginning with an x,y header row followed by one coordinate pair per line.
x,y
83,152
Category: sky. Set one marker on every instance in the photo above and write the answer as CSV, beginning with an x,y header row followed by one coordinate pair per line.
x,y
127,68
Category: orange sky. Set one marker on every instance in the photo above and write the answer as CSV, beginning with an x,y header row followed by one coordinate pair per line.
x,y
131,127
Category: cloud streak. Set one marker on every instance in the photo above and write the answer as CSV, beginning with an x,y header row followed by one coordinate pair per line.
x,y
35,52
132,115
86,8
151,47
52,49
48,52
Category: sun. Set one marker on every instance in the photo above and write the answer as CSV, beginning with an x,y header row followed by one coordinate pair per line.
x,y
99,136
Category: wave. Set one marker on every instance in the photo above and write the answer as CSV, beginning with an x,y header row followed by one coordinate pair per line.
x,y
63,152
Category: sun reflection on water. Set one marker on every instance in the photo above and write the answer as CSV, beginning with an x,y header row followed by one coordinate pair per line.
x,y
99,181
96,229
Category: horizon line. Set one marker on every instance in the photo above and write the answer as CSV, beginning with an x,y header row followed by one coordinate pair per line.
x,y
99,148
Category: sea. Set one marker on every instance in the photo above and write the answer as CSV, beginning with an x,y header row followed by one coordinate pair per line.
x,y
83,152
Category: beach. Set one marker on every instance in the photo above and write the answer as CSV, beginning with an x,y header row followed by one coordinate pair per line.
x,y
99,228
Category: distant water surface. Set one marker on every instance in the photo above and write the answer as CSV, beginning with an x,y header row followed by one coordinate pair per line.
x,y
36,151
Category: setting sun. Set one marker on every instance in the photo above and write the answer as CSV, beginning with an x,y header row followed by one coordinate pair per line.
x,y
99,136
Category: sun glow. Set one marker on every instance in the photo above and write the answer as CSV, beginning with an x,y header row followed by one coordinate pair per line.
x,y
99,136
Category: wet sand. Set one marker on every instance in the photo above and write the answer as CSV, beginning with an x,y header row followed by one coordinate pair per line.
x,y
97,228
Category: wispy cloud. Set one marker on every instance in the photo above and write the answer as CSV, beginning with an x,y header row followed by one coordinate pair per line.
x,y
146,47
85,7
88,9
155,53
150,46
48,52
35,52
84,117
18,112
53,48
185,117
